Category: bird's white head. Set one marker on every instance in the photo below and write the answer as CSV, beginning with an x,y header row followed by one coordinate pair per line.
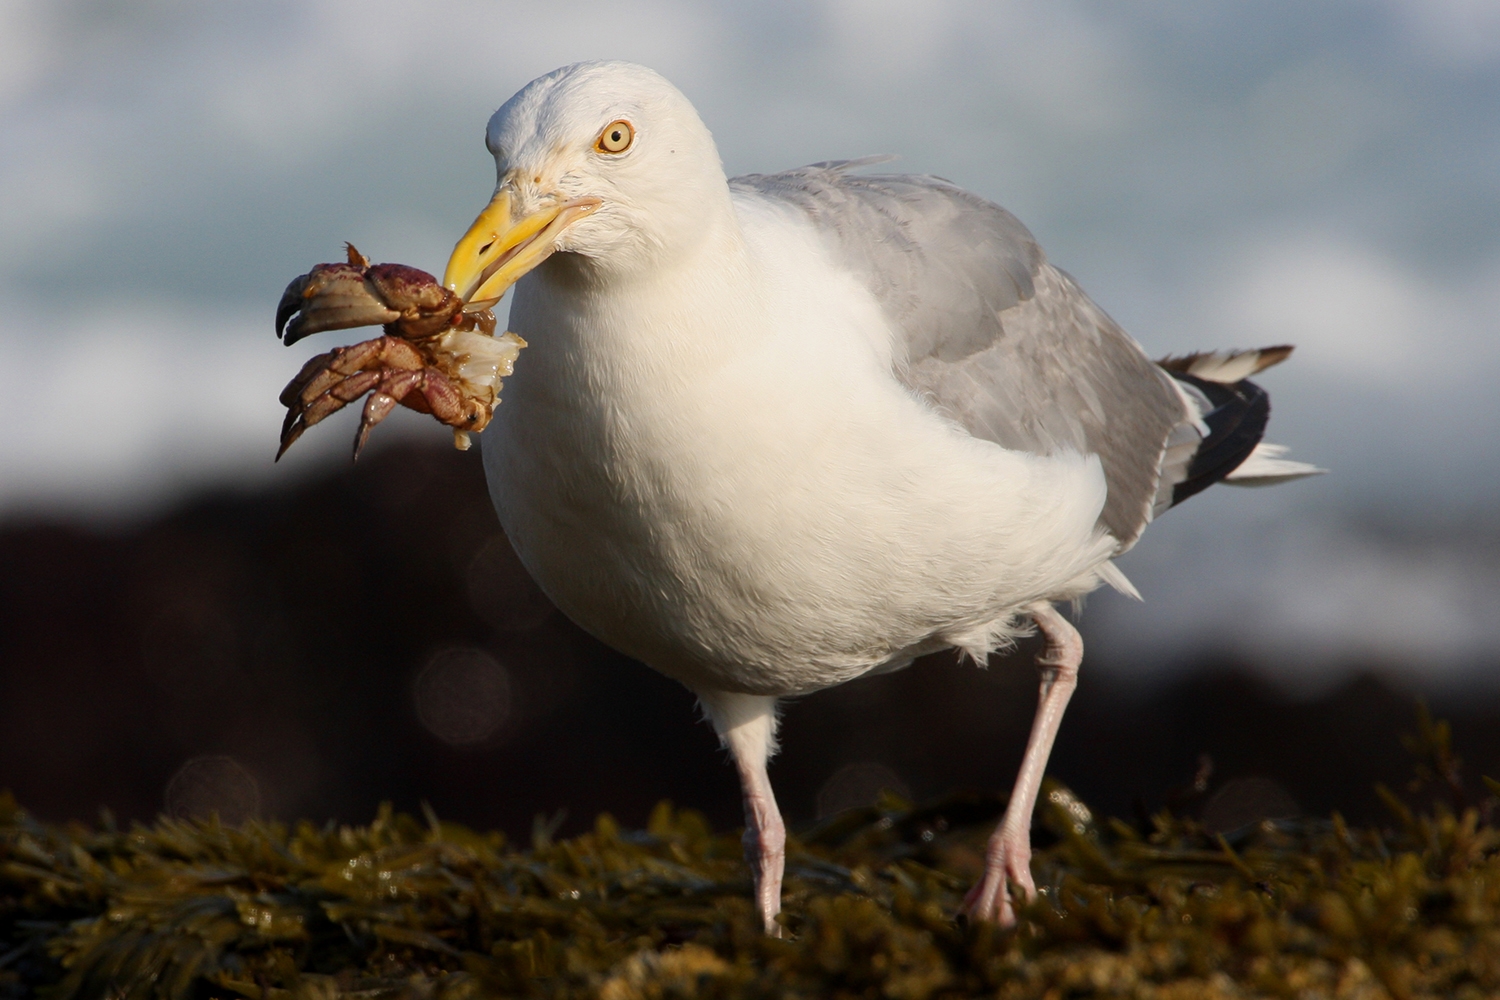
x,y
604,159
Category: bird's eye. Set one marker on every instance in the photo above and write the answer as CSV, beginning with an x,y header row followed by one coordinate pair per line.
x,y
616,137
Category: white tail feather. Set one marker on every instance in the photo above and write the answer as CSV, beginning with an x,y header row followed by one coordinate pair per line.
x,y
1227,367
1112,575
1266,467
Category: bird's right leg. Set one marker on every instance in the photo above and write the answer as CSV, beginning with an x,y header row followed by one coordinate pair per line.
x,y
1008,858
746,724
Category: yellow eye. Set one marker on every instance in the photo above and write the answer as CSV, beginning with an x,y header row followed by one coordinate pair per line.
x,y
616,137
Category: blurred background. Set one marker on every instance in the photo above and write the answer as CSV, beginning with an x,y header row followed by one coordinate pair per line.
x,y
185,626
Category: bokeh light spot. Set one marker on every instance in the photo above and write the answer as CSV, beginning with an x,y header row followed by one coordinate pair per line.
x,y
857,785
502,592
190,651
209,785
462,696
1243,801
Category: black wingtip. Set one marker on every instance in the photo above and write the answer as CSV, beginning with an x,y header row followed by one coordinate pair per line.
x,y
1235,426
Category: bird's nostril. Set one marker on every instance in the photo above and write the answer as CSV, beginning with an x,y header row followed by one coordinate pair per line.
x,y
485,249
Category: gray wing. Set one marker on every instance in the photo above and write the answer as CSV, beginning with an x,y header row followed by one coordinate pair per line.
x,y
996,337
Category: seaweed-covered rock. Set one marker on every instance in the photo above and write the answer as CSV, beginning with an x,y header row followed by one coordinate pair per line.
x,y
426,909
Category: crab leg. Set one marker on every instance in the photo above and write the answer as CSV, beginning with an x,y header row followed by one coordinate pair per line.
x,y
323,371
331,381
377,408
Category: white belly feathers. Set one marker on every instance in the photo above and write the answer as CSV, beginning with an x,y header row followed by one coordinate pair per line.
x,y
700,483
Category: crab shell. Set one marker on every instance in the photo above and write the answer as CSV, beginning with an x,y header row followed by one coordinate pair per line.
x,y
434,358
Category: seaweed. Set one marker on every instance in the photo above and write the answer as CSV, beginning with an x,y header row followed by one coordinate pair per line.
x,y
410,907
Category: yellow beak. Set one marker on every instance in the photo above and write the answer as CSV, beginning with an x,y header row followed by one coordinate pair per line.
x,y
499,248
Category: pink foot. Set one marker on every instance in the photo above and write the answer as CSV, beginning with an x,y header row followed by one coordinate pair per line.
x,y
1007,863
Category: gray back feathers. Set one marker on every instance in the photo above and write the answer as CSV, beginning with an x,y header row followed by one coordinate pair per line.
x,y
994,336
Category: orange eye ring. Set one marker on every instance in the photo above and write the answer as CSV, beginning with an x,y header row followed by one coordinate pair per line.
x,y
616,137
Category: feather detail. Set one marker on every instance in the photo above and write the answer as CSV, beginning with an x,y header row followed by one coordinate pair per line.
x,y
1266,467
1116,578
1226,367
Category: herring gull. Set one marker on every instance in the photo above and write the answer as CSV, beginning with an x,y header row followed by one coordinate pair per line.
x,y
778,432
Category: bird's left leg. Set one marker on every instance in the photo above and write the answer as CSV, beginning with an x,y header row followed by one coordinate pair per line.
x,y
746,724
1009,853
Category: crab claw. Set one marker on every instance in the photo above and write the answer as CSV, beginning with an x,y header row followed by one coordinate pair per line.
x,y
329,297
408,302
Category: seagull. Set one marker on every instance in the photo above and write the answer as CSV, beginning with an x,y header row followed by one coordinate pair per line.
x,y
775,433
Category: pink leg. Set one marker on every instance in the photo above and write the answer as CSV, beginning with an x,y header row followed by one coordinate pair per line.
x,y
746,724
1009,854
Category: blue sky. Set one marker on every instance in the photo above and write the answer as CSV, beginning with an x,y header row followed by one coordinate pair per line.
x,y
1227,174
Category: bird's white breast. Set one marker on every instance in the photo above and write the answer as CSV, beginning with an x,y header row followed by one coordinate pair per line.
x,y
715,471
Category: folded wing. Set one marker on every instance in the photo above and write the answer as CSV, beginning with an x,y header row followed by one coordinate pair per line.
x,y
992,335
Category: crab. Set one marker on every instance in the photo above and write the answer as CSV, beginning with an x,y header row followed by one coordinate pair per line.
x,y
436,356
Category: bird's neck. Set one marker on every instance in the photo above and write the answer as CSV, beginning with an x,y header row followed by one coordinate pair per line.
x,y
695,301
